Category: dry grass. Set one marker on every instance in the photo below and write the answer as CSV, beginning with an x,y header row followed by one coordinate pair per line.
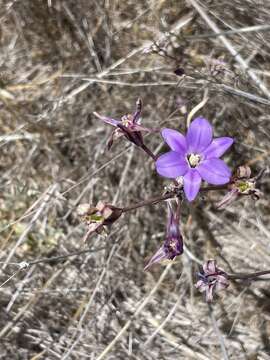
x,y
62,60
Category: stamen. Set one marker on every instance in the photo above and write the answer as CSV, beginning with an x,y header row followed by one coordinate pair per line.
x,y
126,120
194,160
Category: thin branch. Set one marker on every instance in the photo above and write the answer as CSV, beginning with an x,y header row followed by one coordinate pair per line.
x,y
218,333
137,312
230,48
47,195
151,201
177,192
230,32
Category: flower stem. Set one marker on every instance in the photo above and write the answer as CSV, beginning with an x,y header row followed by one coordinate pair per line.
x,y
248,276
151,201
214,187
158,199
148,152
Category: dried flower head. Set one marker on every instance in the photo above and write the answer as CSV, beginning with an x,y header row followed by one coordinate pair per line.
x,y
98,217
241,185
211,280
173,244
195,157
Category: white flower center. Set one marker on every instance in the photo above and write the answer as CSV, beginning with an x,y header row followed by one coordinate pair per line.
x,y
193,160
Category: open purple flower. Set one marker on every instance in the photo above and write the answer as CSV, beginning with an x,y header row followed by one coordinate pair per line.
x,y
195,157
211,279
173,244
128,126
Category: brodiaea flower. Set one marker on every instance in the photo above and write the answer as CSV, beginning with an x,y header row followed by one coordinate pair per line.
x,y
128,126
173,244
195,157
211,280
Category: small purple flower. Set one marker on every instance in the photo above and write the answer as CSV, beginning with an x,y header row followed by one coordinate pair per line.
x,y
211,280
128,126
173,244
195,157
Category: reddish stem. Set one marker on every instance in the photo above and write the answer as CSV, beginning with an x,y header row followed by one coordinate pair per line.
x,y
167,196
148,152
151,201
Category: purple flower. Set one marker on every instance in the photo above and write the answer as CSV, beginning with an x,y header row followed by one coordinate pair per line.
x,y
211,280
173,244
128,126
195,157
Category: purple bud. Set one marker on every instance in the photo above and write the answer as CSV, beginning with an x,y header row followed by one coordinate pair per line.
x,y
211,280
173,244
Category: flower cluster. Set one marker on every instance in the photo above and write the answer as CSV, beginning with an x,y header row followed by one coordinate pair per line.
x,y
193,158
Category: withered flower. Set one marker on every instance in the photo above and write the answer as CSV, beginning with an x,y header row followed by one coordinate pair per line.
x,y
241,185
97,217
128,126
211,280
173,244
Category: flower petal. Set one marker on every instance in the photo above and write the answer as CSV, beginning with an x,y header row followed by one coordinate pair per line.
x,y
217,147
199,135
210,267
222,282
192,183
107,120
157,257
175,140
201,285
209,294
214,171
171,165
